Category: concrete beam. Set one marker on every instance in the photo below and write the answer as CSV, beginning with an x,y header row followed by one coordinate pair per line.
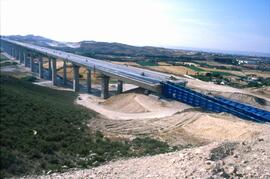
x,y
88,81
105,86
54,71
155,88
119,87
65,72
76,78
40,67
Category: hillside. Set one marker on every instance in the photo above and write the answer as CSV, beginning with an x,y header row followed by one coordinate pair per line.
x,y
43,131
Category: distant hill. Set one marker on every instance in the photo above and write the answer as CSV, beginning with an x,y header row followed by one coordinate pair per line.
x,y
122,52
37,40
98,47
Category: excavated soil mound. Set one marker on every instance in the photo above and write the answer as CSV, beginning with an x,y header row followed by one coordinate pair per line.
x,y
126,103
264,91
131,106
140,103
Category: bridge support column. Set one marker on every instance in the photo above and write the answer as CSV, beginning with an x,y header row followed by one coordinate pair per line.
x,y
31,63
75,78
40,67
65,72
50,68
88,81
13,52
21,56
16,54
119,86
54,71
105,86
24,58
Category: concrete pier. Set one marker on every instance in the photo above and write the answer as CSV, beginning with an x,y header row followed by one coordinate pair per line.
x,y
54,71
119,86
75,78
105,86
31,63
65,72
25,58
12,52
40,67
88,81
17,54
20,56
50,68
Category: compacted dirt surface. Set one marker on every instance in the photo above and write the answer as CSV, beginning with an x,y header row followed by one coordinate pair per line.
x,y
132,114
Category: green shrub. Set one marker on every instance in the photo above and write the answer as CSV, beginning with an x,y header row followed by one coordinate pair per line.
x,y
29,78
8,63
148,63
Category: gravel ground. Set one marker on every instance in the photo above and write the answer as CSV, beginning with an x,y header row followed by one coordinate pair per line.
x,y
247,159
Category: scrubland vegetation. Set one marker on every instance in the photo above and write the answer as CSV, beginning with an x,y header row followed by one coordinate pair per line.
x,y
42,130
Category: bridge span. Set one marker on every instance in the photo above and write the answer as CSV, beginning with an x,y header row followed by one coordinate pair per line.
x,y
26,53
167,85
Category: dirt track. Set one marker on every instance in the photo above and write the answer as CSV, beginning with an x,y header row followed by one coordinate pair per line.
x,y
130,115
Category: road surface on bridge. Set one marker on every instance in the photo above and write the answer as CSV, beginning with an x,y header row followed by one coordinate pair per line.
x,y
137,74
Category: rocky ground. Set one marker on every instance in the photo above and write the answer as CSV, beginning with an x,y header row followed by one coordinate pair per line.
x,y
246,159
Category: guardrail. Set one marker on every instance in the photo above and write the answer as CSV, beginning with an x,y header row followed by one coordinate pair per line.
x,y
214,104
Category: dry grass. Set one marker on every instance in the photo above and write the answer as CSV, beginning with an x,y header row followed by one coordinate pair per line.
x,y
127,63
175,70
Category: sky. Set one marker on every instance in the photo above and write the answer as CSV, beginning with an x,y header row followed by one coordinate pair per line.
x,y
229,25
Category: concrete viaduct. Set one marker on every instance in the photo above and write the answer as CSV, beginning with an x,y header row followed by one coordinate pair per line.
x,y
26,53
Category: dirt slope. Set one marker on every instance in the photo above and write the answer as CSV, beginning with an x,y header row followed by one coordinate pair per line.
x,y
184,128
253,100
248,159
255,97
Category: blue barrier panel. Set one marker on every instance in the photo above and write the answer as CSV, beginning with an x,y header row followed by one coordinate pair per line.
x,y
214,104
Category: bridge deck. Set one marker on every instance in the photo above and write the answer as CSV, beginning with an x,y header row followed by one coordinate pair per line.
x,y
124,72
